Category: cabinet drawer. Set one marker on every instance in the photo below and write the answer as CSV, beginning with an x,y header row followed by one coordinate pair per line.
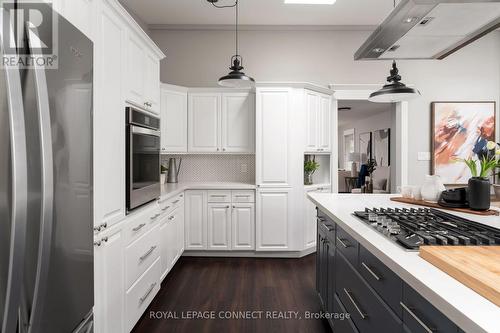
x,y
140,295
168,205
368,312
140,223
421,316
345,325
347,245
219,196
140,255
385,282
243,196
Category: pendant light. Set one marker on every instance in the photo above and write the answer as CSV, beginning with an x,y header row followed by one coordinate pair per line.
x,y
394,91
236,77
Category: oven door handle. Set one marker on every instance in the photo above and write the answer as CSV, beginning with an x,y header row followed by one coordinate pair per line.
x,y
142,130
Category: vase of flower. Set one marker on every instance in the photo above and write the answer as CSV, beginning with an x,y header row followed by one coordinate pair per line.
x,y
479,193
310,167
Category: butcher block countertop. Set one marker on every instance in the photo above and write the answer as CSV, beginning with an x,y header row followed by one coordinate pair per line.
x,y
477,267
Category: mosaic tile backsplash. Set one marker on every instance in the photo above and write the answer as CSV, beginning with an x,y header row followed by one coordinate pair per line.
x,y
215,168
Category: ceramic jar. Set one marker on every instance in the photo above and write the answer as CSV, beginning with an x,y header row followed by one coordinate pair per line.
x,y
479,193
432,188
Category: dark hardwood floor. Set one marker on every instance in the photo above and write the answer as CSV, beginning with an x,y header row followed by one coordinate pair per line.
x,y
236,284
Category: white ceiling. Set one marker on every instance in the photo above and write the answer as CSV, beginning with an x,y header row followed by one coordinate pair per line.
x,y
260,12
360,110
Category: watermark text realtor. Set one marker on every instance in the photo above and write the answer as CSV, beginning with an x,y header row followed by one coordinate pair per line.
x,y
30,34
259,314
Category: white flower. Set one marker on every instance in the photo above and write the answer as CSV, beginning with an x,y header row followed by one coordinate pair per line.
x,y
491,145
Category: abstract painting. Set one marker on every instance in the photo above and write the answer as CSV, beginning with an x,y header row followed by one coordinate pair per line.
x,y
365,146
459,131
382,147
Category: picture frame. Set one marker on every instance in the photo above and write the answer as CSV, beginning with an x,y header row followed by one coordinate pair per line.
x,y
458,128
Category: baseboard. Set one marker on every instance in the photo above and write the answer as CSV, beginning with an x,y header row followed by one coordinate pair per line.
x,y
249,254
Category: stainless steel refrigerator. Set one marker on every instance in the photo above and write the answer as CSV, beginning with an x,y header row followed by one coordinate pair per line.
x,y
46,185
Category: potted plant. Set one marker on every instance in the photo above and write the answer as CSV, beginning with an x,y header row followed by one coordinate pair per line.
x,y
163,173
479,185
310,167
371,166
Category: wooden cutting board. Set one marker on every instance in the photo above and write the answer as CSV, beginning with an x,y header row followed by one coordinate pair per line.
x,y
477,267
489,212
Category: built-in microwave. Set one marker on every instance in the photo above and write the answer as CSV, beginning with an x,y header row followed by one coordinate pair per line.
x,y
143,158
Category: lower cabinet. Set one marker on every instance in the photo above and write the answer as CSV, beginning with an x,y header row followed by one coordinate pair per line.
x,y
273,219
109,280
351,280
220,220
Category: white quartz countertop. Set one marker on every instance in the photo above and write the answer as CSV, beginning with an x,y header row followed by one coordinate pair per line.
x,y
172,189
469,310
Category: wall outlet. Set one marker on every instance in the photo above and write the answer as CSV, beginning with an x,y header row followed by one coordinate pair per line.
x,y
244,168
424,156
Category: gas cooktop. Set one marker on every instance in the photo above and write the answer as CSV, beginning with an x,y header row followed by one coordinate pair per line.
x,y
411,227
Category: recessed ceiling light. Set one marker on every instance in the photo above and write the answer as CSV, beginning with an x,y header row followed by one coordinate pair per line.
x,y
310,2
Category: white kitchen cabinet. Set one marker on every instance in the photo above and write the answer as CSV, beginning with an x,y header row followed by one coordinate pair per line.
x,y
272,131
318,122
79,12
180,221
219,226
204,122
109,277
310,223
174,118
152,82
195,213
243,226
221,122
238,123
273,220
109,117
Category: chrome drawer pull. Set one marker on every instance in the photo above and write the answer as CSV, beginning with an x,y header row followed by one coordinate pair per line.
x,y
139,227
243,196
170,218
411,313
370,271
147,254
155,216
361,313
143,298
175,202
164,209
342,243
218,196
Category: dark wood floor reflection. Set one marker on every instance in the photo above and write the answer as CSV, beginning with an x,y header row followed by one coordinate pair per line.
x,y
236,284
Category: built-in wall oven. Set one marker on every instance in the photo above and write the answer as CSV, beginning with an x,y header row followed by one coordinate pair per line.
x,y
143,158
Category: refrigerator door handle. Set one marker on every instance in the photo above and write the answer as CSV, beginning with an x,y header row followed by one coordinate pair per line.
x,y
47,190
19,187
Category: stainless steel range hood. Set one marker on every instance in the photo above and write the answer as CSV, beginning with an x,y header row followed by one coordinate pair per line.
x,y
430,29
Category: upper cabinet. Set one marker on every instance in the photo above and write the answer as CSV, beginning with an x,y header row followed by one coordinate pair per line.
x,y
173,119
221,122
143,75
79,12
318,122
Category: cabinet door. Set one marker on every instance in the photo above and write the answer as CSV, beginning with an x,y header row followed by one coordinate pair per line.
x,y
135,70
272,131
79,12
195,210
152,83
173,218
238,119
109,283
272,222
312,102
310,224
325,123
173,122
109,118
204,123
164,239
243,226
180,232
219,226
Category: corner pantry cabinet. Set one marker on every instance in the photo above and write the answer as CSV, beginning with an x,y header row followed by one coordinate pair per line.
x,y
221,122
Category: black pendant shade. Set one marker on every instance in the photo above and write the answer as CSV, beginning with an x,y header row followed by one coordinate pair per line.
x,y
236,78
394,91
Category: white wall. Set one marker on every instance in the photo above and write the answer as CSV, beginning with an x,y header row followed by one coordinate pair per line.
x,y
363,125
199,58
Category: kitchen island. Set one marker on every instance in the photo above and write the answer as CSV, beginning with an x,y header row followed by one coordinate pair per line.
x,y
459,304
